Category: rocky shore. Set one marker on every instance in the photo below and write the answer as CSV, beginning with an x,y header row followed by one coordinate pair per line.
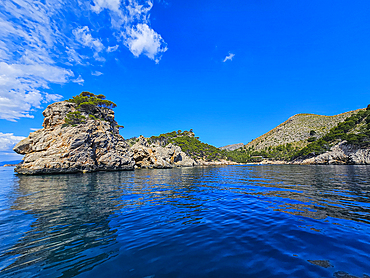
x,y
341,153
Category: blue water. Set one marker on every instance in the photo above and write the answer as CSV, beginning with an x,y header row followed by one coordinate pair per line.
x,y
233,221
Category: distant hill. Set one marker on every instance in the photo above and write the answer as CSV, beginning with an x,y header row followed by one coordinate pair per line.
x,y
346,143
298,129
304,135
232,147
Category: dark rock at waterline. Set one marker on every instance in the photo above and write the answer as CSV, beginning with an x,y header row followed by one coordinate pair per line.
x,y
322,263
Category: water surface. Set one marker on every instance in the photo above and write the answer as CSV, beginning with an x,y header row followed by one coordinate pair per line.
x,y
233,221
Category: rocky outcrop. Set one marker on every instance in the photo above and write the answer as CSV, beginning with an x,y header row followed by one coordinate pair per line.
x,y
155,156
93,145
148,155
341,153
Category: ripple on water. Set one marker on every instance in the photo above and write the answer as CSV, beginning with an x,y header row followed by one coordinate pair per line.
x,y
247,221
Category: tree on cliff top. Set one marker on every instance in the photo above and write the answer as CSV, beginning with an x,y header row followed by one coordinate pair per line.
x,y
88,103
88,100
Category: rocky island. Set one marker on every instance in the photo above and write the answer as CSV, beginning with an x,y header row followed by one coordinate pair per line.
x,y
81,135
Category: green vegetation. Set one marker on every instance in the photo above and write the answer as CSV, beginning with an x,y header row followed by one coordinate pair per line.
x,y
93,117
298,129
132,141
89,104
324,132
87,100
190,145
74,118
280,152
355,129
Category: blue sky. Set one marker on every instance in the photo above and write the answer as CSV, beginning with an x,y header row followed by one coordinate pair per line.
x,y
230,70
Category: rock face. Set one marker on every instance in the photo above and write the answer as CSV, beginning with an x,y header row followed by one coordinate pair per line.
x,y
341,153
155,156
91,146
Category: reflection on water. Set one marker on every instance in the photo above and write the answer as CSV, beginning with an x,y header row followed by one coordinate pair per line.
x,y
318,191
71,218
255,221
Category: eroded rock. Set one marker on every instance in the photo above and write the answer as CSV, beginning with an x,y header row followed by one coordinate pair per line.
x,y
91,146
341,153
155,156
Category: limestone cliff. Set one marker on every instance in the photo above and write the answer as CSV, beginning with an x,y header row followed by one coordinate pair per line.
x,y
92,145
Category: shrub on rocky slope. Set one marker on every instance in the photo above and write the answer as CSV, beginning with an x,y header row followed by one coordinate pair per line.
x,y
190,144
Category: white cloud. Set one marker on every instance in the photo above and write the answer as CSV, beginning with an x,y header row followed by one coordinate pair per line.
x,y
96,73
143,40
132,22
74,57
27,34
34,129
112,48
83,36
19,87
8,141
99,5
79,80
38,47
229,57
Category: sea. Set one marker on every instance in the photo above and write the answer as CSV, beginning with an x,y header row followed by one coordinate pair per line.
x,y
224,221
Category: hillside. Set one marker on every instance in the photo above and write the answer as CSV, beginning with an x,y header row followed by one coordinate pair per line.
x,y
353,133
289,139
298,129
